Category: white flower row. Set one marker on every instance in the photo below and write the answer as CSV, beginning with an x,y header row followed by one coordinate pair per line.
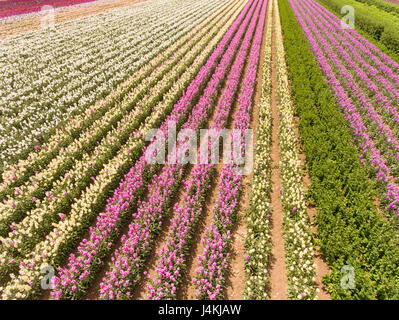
x,y
37,158
62,72
257,240
297,236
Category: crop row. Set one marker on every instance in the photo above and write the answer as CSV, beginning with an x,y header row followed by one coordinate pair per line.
x,y
69,186
214,260
172,257
375,131
351,233
379,24
85,130
10,8
297,237
257,240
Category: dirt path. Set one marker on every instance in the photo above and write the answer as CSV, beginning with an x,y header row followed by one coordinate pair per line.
x,y
278,278
34,23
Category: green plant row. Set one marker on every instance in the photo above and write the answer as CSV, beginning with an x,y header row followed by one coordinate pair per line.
x,y
360,247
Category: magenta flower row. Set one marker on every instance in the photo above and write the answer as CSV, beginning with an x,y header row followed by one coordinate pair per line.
x,y
216,241
13,7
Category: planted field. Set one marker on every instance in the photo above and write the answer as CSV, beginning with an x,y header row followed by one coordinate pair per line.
x,y
230,149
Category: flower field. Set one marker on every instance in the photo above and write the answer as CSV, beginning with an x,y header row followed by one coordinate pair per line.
x,y
212,150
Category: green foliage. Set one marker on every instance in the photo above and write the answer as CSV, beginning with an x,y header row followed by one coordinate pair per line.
x,y
350,230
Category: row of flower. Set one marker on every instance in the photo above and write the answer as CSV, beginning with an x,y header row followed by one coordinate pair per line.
x,y
378,142
213,262
257,240
30,16
378,25
351,233
297,237
171,261
382,120
38,222
384,63
60,241
65,72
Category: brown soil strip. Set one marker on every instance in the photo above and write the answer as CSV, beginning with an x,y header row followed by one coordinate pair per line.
x,y
34,23
278,278
377,204
321,266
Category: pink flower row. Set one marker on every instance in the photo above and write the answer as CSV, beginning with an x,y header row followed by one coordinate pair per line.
x,y
217,239
13,7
